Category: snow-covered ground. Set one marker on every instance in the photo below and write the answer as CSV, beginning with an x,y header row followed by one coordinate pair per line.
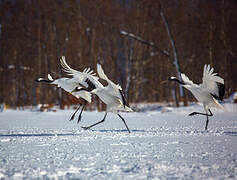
x,y
163,144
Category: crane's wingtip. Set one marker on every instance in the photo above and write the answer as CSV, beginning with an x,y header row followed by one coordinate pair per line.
x,y
98,65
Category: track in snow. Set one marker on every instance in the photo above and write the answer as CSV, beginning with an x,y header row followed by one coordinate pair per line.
x,y
161,145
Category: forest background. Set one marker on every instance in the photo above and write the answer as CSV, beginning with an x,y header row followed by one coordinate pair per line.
x,y
140,43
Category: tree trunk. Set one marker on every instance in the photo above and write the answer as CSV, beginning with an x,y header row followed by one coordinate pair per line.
x,y
175,54
129,69
39,86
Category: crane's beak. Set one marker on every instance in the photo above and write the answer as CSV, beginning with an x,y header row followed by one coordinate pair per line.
x,y
164,81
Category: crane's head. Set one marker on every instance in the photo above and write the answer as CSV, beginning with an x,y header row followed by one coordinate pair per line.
x,y
172,78
78,88
38,79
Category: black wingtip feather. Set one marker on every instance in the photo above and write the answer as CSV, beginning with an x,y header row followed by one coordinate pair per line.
x,y
125,103
221,89
91,86
221,92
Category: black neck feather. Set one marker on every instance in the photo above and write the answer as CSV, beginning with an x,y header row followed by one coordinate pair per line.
x,y
176,80
125,103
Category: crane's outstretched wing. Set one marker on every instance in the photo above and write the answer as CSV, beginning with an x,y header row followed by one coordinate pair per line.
x,y
186,80
82,77
67,68
213,83
102,75
113,89
71,71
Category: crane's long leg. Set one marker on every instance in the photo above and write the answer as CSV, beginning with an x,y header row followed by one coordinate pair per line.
x,y
79,117
205,114
124,122
206,123
74,113
88,127
208,119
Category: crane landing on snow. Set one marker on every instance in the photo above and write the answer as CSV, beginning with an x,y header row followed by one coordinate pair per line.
x,y
208,93
112,95
69,84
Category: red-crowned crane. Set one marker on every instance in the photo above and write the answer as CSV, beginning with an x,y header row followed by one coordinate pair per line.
x,y
69,84
208,93
112,95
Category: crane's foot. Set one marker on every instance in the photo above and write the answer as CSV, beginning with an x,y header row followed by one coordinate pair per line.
x,y
193,113
79,119
85,128
72,117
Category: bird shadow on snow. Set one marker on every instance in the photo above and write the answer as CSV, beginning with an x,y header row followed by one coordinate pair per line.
x,y
38,135
190,132
178,132
230,133
62,134
118,130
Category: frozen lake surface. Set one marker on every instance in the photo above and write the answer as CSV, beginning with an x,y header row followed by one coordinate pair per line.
x,y
163,144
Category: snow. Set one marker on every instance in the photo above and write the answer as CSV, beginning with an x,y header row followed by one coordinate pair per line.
x,y
164,143
232,98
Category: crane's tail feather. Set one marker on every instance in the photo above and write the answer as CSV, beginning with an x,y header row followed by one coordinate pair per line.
x,y
218,105
83,94
128,109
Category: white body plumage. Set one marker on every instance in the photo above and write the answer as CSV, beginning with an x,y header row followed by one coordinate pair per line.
x,y
111,94
208,90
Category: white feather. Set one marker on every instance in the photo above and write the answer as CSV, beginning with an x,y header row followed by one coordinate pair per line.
x,y
81,77
101,73
110,94
83,94
205,92
186,80
210,80
50,77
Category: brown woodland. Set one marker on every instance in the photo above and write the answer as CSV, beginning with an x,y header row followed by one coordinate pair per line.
x,y
138,43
